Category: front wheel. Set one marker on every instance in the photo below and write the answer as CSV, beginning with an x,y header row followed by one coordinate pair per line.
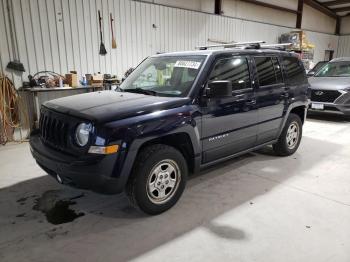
x,y
158,179
290,137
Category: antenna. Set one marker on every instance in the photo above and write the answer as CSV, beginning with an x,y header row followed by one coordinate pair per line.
x,y
230,45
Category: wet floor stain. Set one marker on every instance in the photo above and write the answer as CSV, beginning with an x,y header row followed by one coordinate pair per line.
x,y
56,206
22,201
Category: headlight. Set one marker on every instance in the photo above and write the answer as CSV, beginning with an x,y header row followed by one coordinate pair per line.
x,y
82,134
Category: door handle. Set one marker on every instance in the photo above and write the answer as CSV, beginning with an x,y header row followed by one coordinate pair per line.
x,y
251,102
285,95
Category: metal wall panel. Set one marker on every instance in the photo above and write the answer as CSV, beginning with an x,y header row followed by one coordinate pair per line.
x,y
344,46
63,35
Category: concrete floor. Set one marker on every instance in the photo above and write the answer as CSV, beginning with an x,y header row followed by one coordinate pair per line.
x,y
258,207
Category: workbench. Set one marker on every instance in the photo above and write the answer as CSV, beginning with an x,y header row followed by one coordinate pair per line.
x,y
34,97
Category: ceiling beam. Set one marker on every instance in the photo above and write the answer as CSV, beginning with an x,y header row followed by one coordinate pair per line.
x,y
337,2
276,7
341,9
316,5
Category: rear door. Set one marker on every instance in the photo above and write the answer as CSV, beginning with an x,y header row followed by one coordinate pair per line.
x,y
272,97
229,125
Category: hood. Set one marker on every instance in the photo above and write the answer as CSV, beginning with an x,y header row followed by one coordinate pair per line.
x,y
329,83
108,106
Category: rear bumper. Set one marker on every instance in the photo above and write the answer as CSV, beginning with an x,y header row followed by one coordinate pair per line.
x,y
93,172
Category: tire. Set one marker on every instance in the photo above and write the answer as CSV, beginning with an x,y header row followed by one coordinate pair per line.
x,y
158,179
290,138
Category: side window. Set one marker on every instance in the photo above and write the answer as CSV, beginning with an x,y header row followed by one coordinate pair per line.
x,y
278,72
269,71
234,69
295,70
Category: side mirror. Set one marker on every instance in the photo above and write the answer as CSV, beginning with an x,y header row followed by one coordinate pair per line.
x,y
219,89
310,73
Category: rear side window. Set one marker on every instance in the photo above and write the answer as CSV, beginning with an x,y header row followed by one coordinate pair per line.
x,y
278,72
234,69
295,70
269,71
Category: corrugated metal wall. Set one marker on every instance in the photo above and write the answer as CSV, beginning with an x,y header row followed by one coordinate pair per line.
x,y
62,35
344,46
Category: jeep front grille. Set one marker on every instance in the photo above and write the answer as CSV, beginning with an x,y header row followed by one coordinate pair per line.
x,y
53,130
327,96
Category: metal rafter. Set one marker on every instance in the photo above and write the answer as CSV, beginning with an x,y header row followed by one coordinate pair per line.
x,y
322,8
337,2
276,7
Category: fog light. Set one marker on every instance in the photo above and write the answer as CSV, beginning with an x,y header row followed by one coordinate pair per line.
x,y
104,150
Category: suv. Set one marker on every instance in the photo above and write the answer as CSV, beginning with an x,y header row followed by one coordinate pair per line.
x,y
330,87
175,113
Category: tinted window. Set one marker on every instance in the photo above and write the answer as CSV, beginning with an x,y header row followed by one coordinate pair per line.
x,y
269,71
278,71
295,70
234,69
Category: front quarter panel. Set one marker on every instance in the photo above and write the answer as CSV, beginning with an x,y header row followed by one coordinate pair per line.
x,y
132,133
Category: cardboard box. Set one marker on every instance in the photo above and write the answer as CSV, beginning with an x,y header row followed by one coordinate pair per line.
x,y
72,80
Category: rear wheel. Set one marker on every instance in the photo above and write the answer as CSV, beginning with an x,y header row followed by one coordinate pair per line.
x,y
290,137
158,179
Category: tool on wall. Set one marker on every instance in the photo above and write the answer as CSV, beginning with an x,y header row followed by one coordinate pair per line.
x,y
15,64
114,43
103,50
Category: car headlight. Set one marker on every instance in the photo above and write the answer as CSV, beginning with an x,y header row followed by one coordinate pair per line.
x,y
82,134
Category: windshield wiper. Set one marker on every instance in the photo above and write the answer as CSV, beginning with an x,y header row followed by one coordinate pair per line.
x,y
139,90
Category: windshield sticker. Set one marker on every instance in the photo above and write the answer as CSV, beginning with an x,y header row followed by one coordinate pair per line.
x,y
187,64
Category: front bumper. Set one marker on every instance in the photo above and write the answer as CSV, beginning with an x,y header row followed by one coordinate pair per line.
x,y
331,108
93,172
340,105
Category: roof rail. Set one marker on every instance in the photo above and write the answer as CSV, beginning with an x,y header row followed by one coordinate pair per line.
x,y
230,45
284,45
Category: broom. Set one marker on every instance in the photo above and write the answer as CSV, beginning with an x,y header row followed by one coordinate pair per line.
x,y
103,50
114,43
15,65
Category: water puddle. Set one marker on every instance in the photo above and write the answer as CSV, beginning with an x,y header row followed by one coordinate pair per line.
x,y
56,206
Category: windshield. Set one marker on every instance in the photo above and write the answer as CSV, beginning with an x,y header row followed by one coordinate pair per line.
x,y
318,66
335,69
164,76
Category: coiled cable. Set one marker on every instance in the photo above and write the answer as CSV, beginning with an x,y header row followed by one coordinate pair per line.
x,y
12,109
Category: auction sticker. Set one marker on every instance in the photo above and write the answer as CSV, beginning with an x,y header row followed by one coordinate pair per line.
x,y
187,64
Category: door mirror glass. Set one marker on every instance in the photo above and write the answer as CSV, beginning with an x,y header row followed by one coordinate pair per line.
x,y
219,88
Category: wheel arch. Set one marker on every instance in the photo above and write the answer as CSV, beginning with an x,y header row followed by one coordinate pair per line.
x,y
300,111
299,108
180,141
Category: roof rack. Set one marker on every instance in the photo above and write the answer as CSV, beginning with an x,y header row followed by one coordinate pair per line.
x,y
248,45
276,46
230,45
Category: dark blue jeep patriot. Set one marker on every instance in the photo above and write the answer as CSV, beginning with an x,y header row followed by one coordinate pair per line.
x,y
175,113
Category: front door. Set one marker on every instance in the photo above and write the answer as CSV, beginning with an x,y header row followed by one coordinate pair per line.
x,y
229,124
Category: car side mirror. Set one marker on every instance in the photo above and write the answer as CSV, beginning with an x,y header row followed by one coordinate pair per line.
x,y
310,73
219,89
